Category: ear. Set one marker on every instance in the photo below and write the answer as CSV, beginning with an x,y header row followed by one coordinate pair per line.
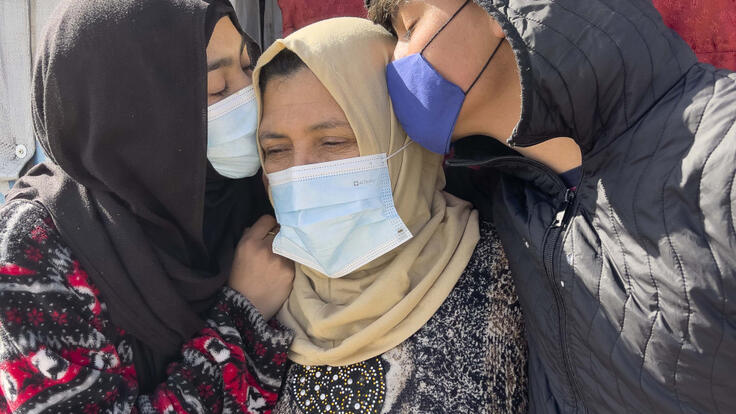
x,y
496,29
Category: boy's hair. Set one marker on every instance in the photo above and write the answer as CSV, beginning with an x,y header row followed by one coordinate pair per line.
x,y
284,64
381,12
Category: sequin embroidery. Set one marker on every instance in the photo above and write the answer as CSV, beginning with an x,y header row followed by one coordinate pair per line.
x,y
354,389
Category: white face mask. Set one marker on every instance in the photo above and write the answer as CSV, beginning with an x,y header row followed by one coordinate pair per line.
x,y
231,135
336,216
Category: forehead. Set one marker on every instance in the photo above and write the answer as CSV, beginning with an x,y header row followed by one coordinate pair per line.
x,y
226,39
223,31
298,100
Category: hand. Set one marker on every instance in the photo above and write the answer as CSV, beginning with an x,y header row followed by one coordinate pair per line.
x,y
258,274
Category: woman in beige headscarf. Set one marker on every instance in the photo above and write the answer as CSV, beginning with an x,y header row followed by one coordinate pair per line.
x,y
432,323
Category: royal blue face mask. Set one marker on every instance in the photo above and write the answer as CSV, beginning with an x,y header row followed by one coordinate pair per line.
x,y
426,104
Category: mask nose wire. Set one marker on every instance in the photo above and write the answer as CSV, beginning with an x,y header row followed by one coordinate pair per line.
x,y
498,46
444,25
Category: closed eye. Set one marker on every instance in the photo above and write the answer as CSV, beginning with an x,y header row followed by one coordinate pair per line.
x,y
274,150
409,30
224,92
334,143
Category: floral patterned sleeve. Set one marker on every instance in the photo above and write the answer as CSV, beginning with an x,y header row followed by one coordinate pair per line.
x,y
59,351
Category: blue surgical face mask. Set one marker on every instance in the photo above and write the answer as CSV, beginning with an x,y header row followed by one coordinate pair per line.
x,y
231,135
426,104
336,216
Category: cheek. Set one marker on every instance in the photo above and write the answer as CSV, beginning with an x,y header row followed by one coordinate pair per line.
x,y
401,50
238,80
340,152
215,82
353,150
274,164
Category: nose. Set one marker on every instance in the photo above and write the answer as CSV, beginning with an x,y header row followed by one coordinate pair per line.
x,y
305,155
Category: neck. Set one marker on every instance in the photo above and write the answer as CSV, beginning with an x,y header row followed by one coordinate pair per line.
x,y
559,154
498,110
493,106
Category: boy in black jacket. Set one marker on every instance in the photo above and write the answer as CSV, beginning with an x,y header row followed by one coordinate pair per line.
x,y
617,209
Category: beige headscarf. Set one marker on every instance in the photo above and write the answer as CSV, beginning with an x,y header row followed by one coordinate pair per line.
x,y
366,313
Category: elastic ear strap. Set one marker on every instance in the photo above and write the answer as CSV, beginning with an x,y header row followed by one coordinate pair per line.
x,y
445,25
485,66
400,149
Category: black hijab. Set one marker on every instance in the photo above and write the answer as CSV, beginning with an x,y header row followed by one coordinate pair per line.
x,y
120,107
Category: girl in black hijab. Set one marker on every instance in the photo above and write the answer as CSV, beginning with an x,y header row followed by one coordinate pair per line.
x,y
124,281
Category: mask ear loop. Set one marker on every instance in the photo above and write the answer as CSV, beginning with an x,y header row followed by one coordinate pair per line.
x,y
400,149
485,66
444,25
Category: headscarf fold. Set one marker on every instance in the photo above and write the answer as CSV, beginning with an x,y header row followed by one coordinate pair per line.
x,y
120,108
368,312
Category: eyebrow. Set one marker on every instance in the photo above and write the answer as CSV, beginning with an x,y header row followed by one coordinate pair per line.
x,y
271,135
227,61
329,124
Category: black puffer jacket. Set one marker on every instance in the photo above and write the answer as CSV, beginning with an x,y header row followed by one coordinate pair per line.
x,y
628,285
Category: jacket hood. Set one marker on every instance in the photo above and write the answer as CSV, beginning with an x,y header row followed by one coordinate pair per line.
x,y
589,68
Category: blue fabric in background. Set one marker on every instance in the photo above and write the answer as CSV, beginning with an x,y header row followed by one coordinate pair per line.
x,y
572,177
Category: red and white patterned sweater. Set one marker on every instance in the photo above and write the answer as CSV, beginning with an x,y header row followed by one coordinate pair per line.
x,y
60,353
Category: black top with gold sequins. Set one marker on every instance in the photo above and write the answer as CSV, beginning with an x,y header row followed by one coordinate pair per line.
x,y
357,388
470,357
